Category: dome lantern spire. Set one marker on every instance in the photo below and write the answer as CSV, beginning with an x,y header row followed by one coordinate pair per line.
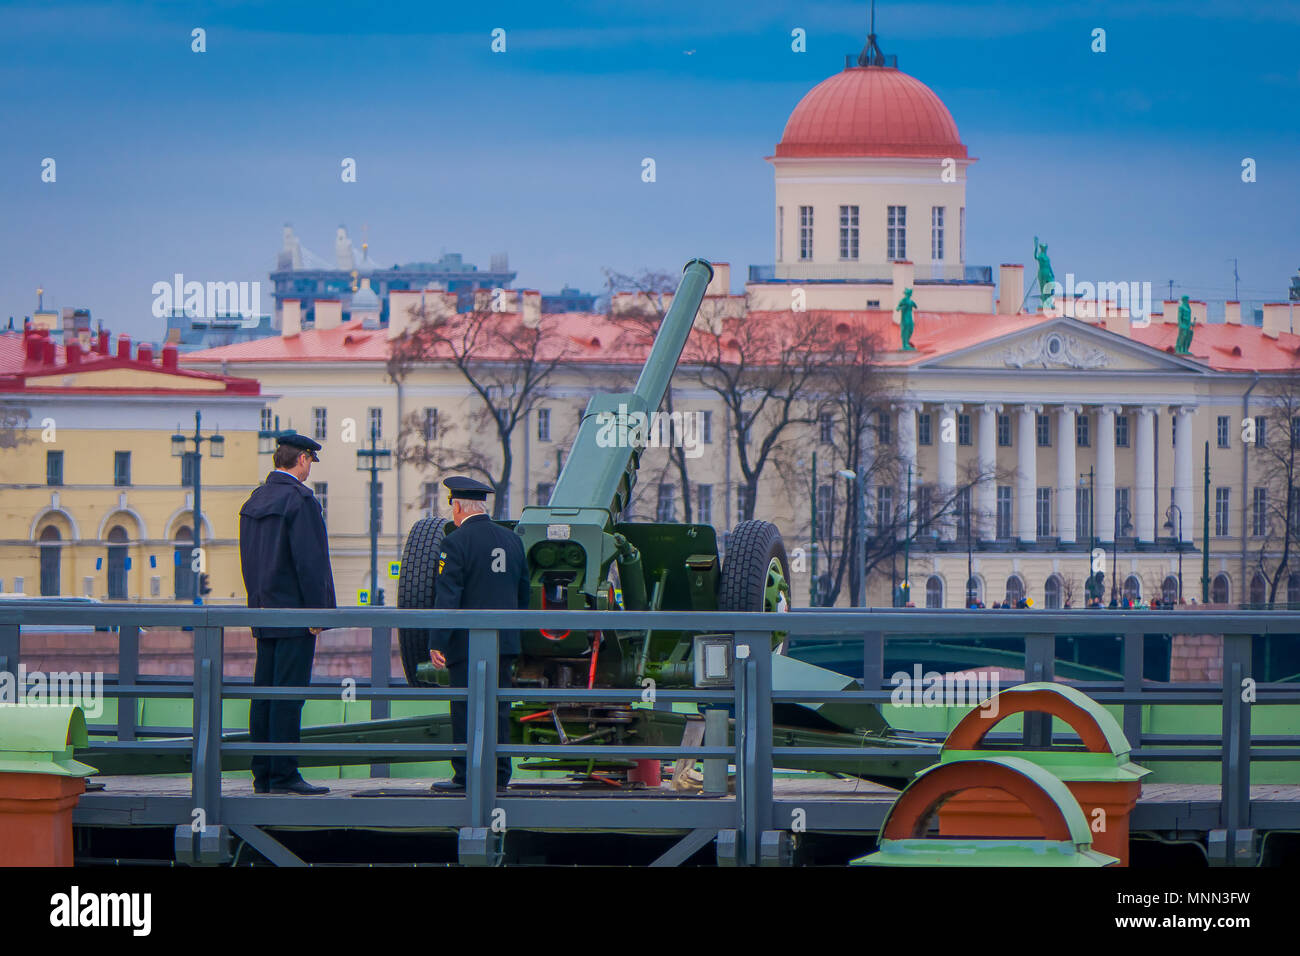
x,y
871,54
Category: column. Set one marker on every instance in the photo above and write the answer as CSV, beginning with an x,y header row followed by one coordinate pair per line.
x,y
1183,451
1103,496
1066,475
984,494
1027,472
948,468
906,454
1144,518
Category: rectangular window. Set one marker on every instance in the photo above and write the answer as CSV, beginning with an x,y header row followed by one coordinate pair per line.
x,y
1260,422
1221,426
1259,513
429,495
704,504
121,467
884,508
378,497
430,424
825,514
318,424
266,420
706,427
963,429
805,232
826,427
375,423
1044,512
1083,513
543,424
1121,431
544,491
848,232
1004,431
1222,497
1295,431
780,234
1003,529
936,233
884,432
963,512
924,504
187,469
664,509
923,428
742,502
1123,516
896,234
1044,430
54,467
1082,431
321,490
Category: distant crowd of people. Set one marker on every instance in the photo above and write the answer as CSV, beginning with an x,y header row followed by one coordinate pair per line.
x,y
1119,602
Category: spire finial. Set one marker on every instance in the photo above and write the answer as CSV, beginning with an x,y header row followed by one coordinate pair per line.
x,y
871,54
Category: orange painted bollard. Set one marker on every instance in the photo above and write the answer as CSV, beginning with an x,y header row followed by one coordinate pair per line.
x,y
40,783
1103,780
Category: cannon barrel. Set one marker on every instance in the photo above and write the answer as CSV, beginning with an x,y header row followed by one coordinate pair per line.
x,y
652,386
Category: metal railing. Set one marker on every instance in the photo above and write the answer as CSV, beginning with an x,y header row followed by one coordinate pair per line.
x,y
746,823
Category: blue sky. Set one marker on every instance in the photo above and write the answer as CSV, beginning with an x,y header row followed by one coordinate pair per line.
x,y
1127,162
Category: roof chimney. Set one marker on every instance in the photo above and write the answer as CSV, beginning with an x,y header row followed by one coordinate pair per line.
x,y
1232,313
33,343
1277,318
124,346
329,314
532,308
72,352
720,284
1169,312
144,353
1011,288
101,345
47,351
290,318
169,357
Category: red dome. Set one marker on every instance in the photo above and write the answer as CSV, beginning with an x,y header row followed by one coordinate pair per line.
x,y
871,111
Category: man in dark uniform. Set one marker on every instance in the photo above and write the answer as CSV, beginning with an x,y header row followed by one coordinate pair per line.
x,y
481,566
284,555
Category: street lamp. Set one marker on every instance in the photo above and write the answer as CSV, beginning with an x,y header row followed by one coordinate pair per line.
x,y
1169,524
859,479
1123,524
180,446
374,460
267,438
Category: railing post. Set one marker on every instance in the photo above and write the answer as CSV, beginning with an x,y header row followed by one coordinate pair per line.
x,y
754,657
1040,665
873,660
381,642
128,672
481,730
10,638
205,839
1235,792
1134,658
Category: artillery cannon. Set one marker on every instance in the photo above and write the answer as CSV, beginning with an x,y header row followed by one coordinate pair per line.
x,y
582,555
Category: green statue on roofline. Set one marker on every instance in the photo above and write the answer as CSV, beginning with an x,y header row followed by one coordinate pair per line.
x,y
1046,276
1184,344
905,308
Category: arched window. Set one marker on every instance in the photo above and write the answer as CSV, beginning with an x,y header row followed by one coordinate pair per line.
x,y
1133,588
1258,590
934,591
117,561
974,591
1220,592
51,548
183,563
1015,590
1052,592
1169,590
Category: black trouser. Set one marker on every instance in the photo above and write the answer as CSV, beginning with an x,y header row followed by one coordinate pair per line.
x,y
281,662
459,671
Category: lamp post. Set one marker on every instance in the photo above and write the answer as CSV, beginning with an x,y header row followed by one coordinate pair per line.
x,y
812,585
1205,532
180,445
906,586
1123,523
859,552
1169,523
374,460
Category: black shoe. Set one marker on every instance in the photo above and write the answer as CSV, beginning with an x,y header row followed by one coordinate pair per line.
x,y
260,788
301,787
448,786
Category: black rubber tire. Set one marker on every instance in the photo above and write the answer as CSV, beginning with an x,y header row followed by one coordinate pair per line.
x,y
416,584
750,550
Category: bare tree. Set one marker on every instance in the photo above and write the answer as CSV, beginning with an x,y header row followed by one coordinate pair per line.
x,y
506,362
1277,449
13,425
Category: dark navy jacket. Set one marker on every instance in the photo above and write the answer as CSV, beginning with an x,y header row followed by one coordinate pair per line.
x,y
283,551
467,580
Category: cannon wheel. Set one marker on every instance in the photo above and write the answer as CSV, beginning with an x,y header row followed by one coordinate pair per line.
x,y
415,588
755,571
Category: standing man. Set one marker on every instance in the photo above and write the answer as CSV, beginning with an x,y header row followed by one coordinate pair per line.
x,y
481,566
284,555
